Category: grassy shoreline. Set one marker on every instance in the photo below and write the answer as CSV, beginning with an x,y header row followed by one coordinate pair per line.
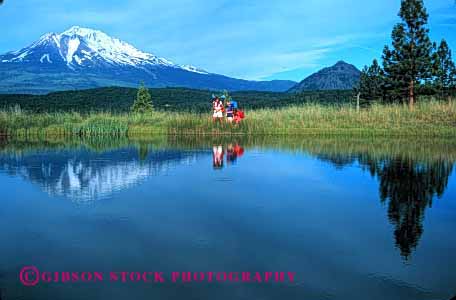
x,y
427,119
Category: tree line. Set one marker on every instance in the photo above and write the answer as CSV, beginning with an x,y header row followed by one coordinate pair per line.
x,y
121,100
412,65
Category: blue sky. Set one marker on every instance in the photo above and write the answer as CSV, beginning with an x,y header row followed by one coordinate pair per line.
x,y
271,39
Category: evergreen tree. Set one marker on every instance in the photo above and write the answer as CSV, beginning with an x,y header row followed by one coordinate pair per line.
x,y
143,102
370,84
444,69
394,88
408,63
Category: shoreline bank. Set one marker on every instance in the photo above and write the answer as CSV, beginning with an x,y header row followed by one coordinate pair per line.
x,y
427,119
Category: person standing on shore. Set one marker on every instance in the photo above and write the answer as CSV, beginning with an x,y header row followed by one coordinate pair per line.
x,y
229,112
217,107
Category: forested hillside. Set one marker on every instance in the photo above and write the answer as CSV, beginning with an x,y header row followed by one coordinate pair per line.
x,y
117,99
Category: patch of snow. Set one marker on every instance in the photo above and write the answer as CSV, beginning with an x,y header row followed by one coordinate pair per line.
x,y
193,69
45,56
56,40
73,45
21,56
78,60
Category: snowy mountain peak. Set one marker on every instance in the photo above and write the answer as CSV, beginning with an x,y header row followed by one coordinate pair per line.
x,y
82,31
80,47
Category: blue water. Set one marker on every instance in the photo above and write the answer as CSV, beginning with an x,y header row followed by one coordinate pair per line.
x,y
351,226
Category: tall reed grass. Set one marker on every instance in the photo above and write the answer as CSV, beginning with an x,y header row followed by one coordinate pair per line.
x,y
428,118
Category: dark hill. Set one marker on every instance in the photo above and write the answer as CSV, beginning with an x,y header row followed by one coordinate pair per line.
x,y
341,76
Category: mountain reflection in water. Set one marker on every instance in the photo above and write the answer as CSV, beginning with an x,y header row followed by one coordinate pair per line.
x,y
87,175
409,181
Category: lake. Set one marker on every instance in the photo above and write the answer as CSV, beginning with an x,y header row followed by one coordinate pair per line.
x,y
351,218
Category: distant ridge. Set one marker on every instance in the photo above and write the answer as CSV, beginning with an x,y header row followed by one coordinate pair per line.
x,y
341,76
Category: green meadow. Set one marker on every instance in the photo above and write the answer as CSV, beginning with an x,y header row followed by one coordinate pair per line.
x,y
428,118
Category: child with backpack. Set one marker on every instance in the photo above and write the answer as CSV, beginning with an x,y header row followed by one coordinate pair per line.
x,y
238,116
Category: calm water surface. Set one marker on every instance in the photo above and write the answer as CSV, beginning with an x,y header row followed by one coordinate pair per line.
x,y
354,219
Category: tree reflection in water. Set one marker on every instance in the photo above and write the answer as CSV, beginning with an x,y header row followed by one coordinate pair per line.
x,y
409,177
408,187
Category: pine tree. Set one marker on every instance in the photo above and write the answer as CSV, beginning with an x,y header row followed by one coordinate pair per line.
x,y
391,87
143,102
370,84
408,63
444,69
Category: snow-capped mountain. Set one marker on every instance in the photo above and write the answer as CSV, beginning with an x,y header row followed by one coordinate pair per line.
x,y
85,58
84,47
